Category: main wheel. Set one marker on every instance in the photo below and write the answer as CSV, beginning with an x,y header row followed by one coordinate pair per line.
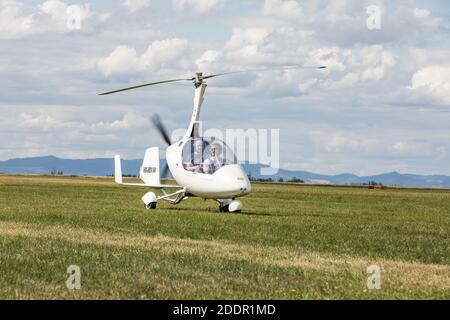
x,y
151,206
235,206
224,208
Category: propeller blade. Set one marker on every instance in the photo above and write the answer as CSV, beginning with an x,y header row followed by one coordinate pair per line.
x,y
165,171
262,70
144,85
161,129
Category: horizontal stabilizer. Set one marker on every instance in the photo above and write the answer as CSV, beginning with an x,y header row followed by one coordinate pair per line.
x,y
150,177
151,186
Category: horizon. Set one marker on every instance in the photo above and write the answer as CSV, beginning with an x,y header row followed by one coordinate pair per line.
x,y
246,162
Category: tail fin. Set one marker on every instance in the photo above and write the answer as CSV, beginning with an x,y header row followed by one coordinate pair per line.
x,y
118,170
150,172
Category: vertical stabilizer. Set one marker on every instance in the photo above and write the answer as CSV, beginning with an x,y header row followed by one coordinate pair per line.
x,y
118,170
150,172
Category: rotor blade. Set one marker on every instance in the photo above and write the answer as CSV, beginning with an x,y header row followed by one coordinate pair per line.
x,y
144,85
165,171
161,129
263,69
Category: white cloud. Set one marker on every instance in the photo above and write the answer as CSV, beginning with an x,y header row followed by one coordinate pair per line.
x,y
135,5
413,148
159,54
209,60
15,20
307,85
356,65
122,59
344,22
256,46
282,8
55,8
165,51
52,16
45,120
200,6
434,81
428,56
247,45
421,13
120,130
341,141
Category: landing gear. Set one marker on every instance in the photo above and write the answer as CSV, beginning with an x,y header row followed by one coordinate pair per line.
x,y
150,201
230,205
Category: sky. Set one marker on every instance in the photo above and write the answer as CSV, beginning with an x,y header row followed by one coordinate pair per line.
x,y
382,104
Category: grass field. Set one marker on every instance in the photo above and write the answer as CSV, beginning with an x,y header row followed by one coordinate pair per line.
x,y
291,242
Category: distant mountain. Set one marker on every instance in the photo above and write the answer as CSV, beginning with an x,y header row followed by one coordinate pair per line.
x,y
387,179
89,167
105,167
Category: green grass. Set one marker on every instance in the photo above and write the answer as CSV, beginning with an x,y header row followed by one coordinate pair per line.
x,y
290,242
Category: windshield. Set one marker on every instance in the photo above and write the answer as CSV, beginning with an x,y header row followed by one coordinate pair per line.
x,y
206,155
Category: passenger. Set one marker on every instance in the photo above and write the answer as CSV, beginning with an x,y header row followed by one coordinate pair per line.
x,y
212,163
197,158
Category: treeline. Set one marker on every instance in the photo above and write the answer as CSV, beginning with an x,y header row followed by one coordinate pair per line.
x,y
280,180
56,173
372,183
124,175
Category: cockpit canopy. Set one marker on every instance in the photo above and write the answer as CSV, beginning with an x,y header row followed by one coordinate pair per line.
x,y
206,155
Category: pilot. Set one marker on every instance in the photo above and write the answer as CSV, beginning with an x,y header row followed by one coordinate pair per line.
x,y
213,163
197,157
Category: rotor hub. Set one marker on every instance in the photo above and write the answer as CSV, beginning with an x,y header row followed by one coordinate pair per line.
x,y
198,79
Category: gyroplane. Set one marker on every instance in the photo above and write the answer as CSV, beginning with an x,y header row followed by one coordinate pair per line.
x,y
202,167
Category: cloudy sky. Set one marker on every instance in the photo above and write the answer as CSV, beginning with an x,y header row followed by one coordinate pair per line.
x,y
382,105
